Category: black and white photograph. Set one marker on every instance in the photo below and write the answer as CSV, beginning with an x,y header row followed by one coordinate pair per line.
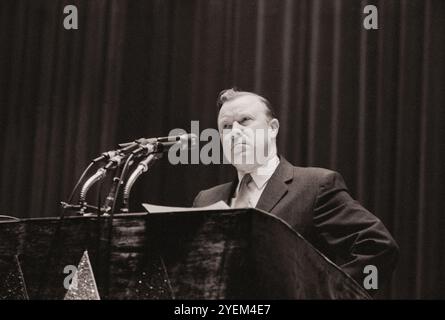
x,y
222,150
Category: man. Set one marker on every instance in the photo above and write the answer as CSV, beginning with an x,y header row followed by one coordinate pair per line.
x,y
313,201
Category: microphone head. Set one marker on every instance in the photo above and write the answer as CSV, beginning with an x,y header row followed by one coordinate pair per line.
x,y
167,142
184,141
145,141
186,138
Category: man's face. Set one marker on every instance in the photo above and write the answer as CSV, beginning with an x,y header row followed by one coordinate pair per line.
x,y
246,132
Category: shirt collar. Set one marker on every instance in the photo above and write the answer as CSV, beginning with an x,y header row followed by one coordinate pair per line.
x,y
263,173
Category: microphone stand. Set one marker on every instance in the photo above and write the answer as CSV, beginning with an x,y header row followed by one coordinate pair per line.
x,y
118,180
140,147
143,166
108,203
114,163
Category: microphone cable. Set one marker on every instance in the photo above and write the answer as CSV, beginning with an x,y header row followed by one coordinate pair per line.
x,y
64,207
124,170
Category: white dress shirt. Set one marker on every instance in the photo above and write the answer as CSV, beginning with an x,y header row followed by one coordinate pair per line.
x,y
260,177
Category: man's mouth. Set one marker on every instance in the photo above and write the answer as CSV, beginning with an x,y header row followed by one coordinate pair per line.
x,y
238,144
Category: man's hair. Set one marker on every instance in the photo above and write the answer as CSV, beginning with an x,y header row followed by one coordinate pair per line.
x,y
233,93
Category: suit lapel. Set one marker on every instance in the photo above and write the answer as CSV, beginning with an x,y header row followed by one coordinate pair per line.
x,y
276,187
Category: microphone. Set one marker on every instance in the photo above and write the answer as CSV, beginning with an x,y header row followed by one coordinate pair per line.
x,y
113,154
125,149
141,144
163,144
183,138
106,156
166,141
140,147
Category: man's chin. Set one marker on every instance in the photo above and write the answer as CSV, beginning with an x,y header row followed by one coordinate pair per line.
x,y
244,165
240,148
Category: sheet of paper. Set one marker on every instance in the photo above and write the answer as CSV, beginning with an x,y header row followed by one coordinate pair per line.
x,y
220,205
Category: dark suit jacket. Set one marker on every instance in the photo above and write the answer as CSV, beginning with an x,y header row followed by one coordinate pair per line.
x,y
316,203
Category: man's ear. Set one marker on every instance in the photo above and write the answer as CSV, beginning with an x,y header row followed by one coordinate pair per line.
x,y
274,125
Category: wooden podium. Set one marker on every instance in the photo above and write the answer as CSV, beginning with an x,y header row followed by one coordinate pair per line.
x,y
232,254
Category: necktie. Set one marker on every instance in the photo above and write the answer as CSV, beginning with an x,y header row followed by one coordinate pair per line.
x,y
242,198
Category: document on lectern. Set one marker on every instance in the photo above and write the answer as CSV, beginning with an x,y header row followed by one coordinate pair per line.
x,y
151,208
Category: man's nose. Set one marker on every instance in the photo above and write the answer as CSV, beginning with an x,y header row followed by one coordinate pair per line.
x,y
236,125
236,129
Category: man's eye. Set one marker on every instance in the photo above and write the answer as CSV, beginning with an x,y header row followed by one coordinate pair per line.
x,y
245,119
226,126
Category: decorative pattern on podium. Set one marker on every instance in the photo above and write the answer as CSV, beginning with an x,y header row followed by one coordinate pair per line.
x,y
12,284
83,285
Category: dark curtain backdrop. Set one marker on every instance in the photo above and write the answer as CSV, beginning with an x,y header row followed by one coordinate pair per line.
x,y
369,104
